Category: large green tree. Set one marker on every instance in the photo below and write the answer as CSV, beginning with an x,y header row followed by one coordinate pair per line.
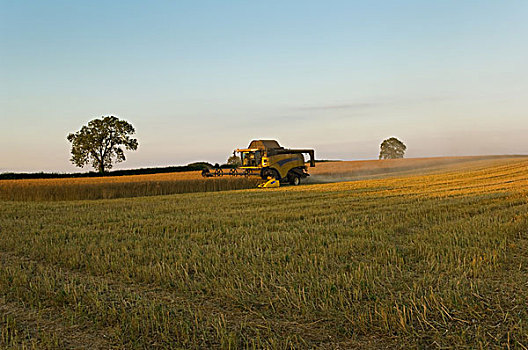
x,y
392,148
101,143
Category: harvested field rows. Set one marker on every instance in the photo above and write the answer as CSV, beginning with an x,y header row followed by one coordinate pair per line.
x,y
436,261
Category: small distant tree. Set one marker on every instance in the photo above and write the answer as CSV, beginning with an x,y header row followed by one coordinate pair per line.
x,y
101,143
234,161
392,148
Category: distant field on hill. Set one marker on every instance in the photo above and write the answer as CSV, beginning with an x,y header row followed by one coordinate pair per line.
x,y
109,187
415,261
372,169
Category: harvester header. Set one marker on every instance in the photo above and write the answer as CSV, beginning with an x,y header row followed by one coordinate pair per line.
x,y
267,159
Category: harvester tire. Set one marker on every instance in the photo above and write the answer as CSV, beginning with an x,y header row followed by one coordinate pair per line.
x,y
295,180
268,172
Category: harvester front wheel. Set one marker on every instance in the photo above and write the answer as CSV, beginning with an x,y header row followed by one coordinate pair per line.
x,y
267,172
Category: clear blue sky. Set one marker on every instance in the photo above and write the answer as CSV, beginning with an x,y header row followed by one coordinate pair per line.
x,y
200,78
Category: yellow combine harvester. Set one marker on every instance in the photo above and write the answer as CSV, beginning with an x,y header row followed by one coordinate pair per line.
x,y
267,159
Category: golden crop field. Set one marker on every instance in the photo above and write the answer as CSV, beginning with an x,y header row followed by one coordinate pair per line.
x,y
109,187
410,261
118,186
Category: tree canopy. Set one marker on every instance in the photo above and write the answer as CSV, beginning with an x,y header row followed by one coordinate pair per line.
x,y
234,161
102,143
392,148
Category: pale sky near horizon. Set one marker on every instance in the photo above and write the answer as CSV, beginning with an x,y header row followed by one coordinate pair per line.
x,y
198,79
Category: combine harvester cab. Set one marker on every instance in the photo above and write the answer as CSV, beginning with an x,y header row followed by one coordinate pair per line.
x,y
267,159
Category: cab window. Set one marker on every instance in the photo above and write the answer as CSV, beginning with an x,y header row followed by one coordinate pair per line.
x,y
251,158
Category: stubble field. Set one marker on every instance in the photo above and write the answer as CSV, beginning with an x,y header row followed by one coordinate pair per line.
x,y
407,261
